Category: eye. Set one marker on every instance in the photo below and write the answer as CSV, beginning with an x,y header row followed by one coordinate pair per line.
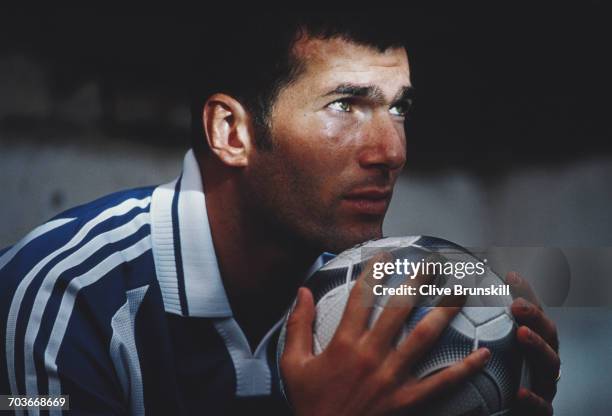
x,y
340,105
400,109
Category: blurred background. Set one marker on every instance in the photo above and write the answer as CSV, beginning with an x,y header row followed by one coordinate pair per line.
x,y
509,144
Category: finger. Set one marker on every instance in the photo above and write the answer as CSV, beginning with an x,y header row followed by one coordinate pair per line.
x,y
544,361
526,313
528,403
422,338
438,383
361,300
298,343
395,311
520,288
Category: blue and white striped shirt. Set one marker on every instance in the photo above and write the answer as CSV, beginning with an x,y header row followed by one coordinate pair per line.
x,y
119,304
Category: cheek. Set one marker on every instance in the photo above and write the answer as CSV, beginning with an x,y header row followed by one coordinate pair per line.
x,y
320,152
324,162
327,143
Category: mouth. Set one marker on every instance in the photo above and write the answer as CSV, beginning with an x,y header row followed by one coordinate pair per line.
x,y
370,201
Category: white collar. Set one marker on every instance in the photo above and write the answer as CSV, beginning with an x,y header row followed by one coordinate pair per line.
x,y
185,260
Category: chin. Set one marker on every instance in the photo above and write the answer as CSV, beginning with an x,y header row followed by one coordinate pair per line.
x,y
344,239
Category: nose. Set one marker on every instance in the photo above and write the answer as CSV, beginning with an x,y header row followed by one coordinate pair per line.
x,y
384,145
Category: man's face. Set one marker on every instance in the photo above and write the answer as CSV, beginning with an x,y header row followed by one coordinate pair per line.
x,y
339,144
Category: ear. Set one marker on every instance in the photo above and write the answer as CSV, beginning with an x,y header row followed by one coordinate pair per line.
x,y
228,129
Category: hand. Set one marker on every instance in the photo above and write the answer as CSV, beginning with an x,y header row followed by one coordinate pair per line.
x,y
362,372
537,335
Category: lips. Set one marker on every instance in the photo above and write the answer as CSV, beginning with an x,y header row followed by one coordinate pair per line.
x,y
370,201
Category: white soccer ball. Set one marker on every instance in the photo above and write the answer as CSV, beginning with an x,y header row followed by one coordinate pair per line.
x,y
484,321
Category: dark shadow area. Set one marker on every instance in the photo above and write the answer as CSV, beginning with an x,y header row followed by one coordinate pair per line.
x,y
496,88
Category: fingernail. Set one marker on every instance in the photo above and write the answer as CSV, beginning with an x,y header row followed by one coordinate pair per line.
x,y
528,334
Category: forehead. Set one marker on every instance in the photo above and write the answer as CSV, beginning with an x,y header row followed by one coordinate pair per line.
x,y
337,60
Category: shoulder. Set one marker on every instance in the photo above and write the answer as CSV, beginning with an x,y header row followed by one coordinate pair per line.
x,y
115,199
106,237
105,220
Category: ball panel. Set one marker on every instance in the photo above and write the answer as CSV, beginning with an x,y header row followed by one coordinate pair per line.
x,y
451,347
465,400
480,315
324,281
504,366
500,327
329,312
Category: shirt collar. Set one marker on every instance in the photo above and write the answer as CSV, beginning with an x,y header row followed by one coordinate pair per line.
x,y
185,260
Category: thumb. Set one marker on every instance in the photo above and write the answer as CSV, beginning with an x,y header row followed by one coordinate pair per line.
x,y
298,345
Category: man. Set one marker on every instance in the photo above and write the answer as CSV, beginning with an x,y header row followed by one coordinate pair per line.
x,y
166,299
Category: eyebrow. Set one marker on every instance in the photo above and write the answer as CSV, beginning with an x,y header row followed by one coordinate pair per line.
x,y
405,94
372,92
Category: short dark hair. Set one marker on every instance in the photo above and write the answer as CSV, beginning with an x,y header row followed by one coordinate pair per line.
x,y
255,60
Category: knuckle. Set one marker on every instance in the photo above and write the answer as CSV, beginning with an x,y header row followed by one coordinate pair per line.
x,y
343,342
287,361
424,330
367,359
293,320
384,379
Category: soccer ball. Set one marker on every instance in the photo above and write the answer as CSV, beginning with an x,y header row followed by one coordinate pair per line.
x,y
484,321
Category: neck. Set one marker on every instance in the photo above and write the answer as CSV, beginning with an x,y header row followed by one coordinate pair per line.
x,y
261,269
